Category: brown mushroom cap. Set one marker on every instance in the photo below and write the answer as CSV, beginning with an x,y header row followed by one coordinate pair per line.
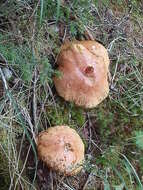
x,y
62,149
84,73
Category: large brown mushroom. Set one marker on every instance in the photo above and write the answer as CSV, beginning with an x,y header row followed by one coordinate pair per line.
x,y
62,149
84,73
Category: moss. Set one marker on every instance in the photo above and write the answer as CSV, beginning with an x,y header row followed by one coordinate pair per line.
x,y
4,172
67,114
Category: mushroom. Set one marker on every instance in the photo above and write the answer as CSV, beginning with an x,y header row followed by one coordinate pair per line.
x,y
84,73
62,149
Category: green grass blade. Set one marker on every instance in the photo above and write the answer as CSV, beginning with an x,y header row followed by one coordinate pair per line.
x,y
58,10
120,177
41,10
133,171
20,118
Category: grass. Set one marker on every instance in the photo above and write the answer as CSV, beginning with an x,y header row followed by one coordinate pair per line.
x,y
30,38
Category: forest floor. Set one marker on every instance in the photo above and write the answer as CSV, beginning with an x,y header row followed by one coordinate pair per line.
x,y
31,34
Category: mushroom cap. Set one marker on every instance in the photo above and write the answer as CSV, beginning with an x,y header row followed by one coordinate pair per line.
x,y
62,149
84,73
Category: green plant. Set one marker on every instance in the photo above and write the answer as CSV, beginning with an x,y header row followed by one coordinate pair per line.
x,y
46,71
139,139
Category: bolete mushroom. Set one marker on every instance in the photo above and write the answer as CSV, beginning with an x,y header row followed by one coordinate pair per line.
x,y
84,73
62,149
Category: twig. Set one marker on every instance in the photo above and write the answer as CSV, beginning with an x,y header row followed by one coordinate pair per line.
x,y
36,7
97,146
67,186
115,69
87,181
52,96
26,115
3,79
88,34
52,182
111,44
64,37
4,59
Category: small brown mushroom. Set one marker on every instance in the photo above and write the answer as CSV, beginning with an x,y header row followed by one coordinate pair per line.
x,y
62,149
84,73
